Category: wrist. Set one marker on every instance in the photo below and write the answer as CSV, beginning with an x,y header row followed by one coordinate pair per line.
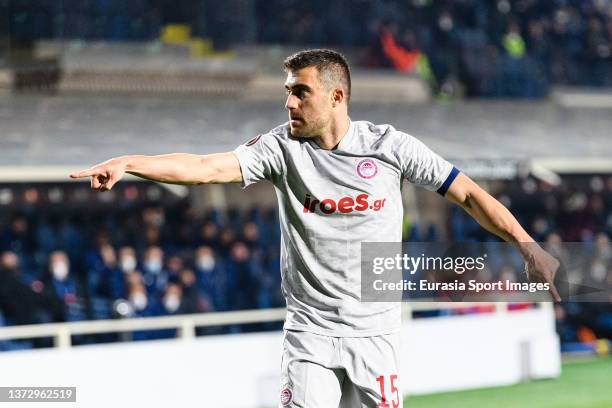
x,y
528,248
127,162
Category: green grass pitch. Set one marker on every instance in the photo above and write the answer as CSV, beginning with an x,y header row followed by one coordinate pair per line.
x,y
585,384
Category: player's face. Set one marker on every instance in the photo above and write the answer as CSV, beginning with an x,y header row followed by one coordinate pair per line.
x,y
308,103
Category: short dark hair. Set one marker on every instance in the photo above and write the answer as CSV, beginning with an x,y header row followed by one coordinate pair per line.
x,y
331,65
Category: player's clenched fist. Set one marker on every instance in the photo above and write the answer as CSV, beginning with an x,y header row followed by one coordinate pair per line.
x,y
103,175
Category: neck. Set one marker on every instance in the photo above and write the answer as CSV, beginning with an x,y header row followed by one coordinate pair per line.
x,y
330,139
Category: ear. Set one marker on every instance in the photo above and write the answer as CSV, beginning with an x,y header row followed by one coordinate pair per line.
x,y
337,96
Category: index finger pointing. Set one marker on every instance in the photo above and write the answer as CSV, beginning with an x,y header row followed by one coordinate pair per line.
x,y
83,173
553,291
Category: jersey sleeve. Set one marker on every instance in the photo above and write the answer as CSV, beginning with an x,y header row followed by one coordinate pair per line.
x,y
260,158
423,167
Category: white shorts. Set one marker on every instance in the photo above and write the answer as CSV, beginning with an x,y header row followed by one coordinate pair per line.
x,y
328,372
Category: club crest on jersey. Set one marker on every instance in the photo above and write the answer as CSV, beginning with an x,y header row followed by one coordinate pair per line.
x,y
253,141
286,396
367,168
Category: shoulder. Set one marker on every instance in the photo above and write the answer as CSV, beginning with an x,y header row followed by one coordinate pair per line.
x,y
276,136
370,129
280,133
382,134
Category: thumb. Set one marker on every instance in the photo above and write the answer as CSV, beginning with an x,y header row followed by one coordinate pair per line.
x,y
111,182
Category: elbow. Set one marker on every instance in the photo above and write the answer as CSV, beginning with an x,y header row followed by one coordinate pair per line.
x,y
466,202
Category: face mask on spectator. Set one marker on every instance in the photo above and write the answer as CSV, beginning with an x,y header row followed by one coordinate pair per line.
x,y
139,300
445,23
206,263
153,265
172,303
128,264
59,270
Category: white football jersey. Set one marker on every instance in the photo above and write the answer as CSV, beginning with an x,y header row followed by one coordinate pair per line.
x,y
330,201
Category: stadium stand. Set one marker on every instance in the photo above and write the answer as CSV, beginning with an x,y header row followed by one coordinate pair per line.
x,y
164,260
155,253
158,253
492,48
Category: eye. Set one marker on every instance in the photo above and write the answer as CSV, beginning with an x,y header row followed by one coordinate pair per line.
x,y
298,92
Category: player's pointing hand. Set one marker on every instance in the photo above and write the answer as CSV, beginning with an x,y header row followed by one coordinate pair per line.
x,y
542,267
104,175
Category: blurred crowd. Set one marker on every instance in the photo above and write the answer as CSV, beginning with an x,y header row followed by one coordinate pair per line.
x,y
574,220
478,47
488,47
143,254
137,261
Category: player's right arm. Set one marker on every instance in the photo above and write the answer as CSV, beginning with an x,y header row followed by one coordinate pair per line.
x,y
176,168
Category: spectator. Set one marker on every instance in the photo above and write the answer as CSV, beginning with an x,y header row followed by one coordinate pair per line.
x,y
211,278
154,216
93,257
193,301
106,280
17,237
513,42
152,236
174,266
538,45
403,57
62,286
155,277
172,300
241,274
225,242
142,304
208,235
250,235
127,259
22,303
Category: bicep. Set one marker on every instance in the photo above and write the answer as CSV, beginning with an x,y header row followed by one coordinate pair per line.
x,y
221,168
460,189
463,190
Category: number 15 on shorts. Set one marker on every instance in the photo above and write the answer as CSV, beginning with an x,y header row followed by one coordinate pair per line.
x,y
393,389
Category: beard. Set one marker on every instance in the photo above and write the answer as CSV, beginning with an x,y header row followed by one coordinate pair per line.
x,y
300,131
307,130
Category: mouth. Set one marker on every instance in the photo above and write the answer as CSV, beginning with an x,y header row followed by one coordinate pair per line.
x,y
295,121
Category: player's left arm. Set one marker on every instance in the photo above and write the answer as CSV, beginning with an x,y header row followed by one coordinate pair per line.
x,y
497,219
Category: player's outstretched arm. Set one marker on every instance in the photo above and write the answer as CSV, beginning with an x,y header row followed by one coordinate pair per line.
x,y
177,168
497,219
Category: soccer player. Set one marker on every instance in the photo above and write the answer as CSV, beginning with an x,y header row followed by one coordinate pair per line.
x,y
337,183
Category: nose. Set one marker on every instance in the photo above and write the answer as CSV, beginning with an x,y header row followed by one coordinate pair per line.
x,y
291,102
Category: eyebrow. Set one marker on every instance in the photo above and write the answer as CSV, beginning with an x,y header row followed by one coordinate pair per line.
x,y
297,87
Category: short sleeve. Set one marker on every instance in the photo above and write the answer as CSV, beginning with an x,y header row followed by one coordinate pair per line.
x,y
260,158
421,166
